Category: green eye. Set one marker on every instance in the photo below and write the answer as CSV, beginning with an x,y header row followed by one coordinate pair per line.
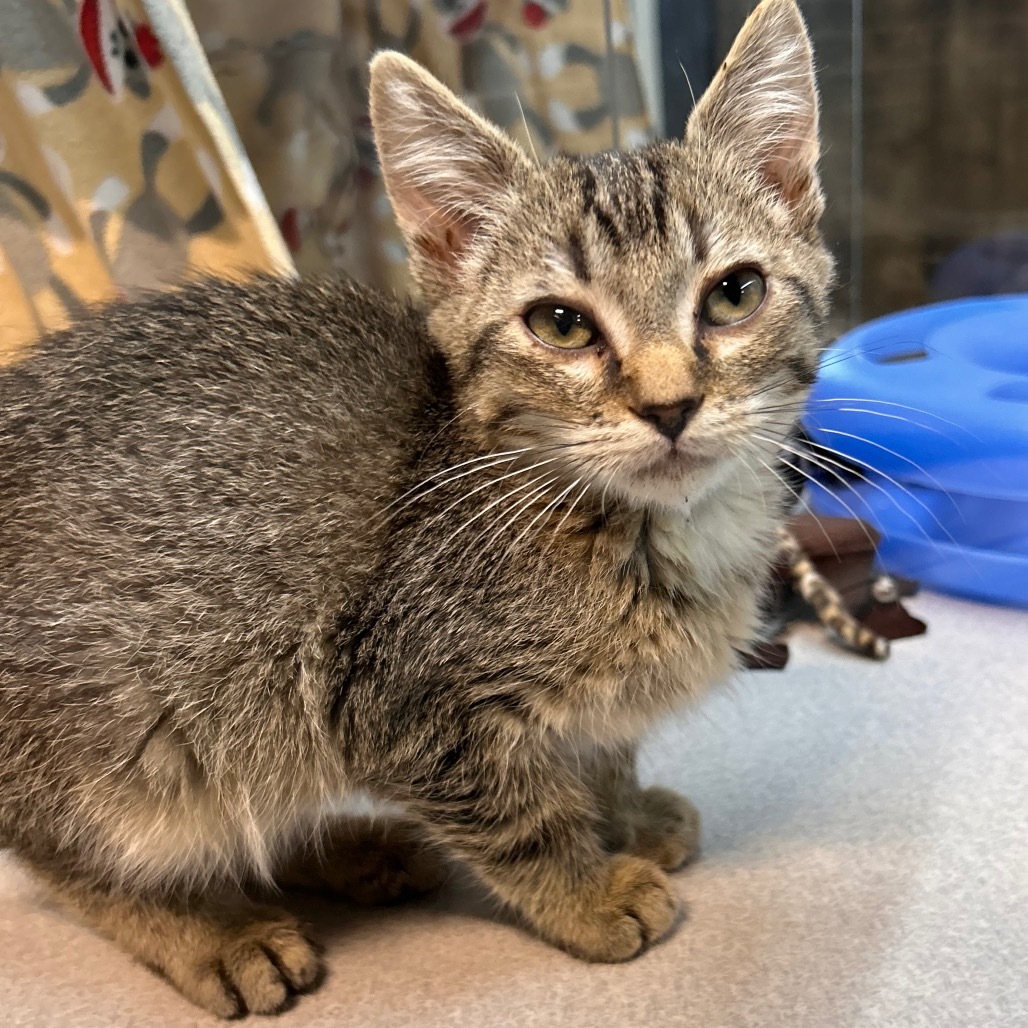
x,y
558,325
734,298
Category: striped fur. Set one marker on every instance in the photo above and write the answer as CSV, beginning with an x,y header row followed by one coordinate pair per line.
x,y
829,606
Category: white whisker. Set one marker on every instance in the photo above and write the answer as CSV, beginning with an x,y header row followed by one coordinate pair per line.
x,y
484,549
574,503
889,403
485,510
519,509
877,471
492,482
853,514
504,457
899,456
528,132
823,462
555,502
800,500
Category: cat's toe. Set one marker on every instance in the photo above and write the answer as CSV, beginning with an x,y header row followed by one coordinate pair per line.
x,y
294,956
636,908
255,970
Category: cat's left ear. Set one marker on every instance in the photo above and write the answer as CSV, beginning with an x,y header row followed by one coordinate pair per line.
x,y
763,105
449,173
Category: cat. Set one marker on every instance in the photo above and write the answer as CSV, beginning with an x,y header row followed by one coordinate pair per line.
x,y
264,545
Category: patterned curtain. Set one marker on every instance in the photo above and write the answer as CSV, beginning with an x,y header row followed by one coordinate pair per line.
x,y
127,166
118,171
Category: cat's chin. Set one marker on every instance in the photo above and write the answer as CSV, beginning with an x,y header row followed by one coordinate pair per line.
x,y
672,480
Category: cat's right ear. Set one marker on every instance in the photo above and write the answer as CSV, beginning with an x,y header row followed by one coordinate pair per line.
x,y
448,172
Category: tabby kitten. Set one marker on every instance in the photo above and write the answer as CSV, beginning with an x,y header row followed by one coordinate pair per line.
x,y
262,546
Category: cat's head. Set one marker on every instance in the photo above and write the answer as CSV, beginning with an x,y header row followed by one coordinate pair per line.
x,y
648,319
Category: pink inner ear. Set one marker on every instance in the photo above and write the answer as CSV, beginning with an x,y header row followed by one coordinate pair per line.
x,y
444,246
439,236
789,173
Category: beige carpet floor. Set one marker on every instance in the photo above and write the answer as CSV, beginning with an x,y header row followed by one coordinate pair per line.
x,y
865,864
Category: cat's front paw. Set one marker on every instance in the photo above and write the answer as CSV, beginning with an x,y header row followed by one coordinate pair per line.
x,y
634,908
253,968
664,828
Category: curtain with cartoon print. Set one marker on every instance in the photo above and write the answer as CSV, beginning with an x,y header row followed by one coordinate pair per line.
x,y
119,172
127,166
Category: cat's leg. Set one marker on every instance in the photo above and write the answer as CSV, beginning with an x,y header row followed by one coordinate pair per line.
x,y
369,861
655,823
513,810
229,957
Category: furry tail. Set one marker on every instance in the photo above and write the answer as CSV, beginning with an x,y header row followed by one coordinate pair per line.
x,y
827,603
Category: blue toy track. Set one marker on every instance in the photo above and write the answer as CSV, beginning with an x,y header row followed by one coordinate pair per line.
x,y
927,412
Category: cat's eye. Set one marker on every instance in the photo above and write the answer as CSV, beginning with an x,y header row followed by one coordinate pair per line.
x,y
556,324
734,298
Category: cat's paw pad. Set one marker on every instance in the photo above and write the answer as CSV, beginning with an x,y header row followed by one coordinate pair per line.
x,y
255,969
667,829
636,909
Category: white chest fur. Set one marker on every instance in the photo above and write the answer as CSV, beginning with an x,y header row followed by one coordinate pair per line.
x,y
681,604
706,547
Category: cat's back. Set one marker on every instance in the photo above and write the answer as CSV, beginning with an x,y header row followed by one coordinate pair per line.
x,y
216,352
227,445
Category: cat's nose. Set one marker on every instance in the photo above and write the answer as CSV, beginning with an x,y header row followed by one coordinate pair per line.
x,y
669,419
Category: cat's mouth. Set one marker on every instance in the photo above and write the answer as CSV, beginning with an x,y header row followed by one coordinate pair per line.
x,y
677,473
676,462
